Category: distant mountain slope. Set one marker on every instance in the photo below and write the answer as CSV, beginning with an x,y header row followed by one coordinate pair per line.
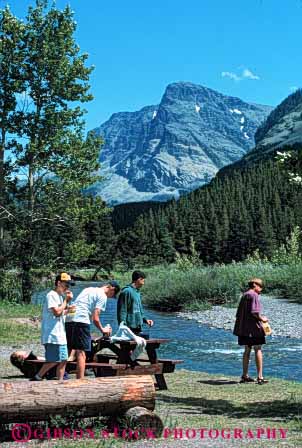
x,y
164,151
283,127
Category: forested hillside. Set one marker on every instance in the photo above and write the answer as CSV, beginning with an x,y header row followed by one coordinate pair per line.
x,y
253,208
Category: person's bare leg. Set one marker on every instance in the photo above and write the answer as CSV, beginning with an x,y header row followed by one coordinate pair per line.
x,y
61,370
45,368
72,355
259,360
81,360
246,361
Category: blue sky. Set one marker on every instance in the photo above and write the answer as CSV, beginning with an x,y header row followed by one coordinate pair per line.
x,y
244,48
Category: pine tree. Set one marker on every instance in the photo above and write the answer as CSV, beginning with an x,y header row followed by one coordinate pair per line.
x,y
165,244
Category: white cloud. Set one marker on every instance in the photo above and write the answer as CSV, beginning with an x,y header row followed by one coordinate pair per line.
x,y
230,75
293,88
248,74
245,74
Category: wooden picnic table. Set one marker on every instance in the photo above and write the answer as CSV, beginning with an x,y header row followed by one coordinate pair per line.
x,y
119,363
121,355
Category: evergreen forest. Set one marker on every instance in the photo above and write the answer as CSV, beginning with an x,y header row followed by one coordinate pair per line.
x,y
250,209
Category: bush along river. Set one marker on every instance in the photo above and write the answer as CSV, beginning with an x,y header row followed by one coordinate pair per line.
x,y
208,349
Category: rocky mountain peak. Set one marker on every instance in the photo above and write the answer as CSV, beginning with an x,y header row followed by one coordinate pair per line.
x,y
165,150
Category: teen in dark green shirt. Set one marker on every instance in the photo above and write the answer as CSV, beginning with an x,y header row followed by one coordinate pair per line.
x,y
129,306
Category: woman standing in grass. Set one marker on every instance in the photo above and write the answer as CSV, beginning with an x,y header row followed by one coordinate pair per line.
x,y
248,328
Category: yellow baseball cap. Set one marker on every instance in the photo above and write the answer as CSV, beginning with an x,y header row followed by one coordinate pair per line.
x,y
65,277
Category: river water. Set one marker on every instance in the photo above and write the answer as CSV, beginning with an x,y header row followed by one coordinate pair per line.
x,y
208,349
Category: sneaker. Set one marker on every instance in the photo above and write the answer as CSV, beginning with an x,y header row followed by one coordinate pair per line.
x,y
246,379
36,379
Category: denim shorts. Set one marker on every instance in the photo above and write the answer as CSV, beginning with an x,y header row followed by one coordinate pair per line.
x,y
55,352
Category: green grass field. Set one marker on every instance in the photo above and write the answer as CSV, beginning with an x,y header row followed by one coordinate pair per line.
x,y
16,325
198,400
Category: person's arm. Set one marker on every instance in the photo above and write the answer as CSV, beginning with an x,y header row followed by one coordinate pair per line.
x,y
69,295
100,305
259,317
96,320
149,322
123,304
256,308
145,320
58,310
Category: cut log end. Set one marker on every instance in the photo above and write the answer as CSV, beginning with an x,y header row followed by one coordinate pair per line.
x,y
144,420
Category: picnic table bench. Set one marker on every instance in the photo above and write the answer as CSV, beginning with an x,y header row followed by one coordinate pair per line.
x,y
119,363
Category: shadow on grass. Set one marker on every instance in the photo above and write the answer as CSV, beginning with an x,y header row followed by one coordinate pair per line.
x,y
9,377
217,382
277,409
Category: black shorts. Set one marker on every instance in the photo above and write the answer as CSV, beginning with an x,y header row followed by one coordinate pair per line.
x,y
78,336
251,340
136,330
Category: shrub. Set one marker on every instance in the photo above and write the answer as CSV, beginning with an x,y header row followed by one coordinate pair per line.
x,y
169,289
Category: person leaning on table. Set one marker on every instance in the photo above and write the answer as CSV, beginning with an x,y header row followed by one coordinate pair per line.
x,y
248,328
89,304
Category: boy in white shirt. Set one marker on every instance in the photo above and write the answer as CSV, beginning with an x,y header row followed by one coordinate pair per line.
x,y
89,304
53,335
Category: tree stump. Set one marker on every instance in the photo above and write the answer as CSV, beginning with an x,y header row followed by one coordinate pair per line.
x,y
37,401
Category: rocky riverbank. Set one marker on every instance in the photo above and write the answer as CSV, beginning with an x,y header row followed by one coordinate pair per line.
x,y
284,316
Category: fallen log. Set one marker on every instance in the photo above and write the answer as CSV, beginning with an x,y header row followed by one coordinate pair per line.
x,y
37,401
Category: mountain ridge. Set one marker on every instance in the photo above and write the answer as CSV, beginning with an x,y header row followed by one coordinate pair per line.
x,y
281,129
166,150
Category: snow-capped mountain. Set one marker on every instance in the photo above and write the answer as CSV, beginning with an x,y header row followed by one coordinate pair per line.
x,y
165,150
